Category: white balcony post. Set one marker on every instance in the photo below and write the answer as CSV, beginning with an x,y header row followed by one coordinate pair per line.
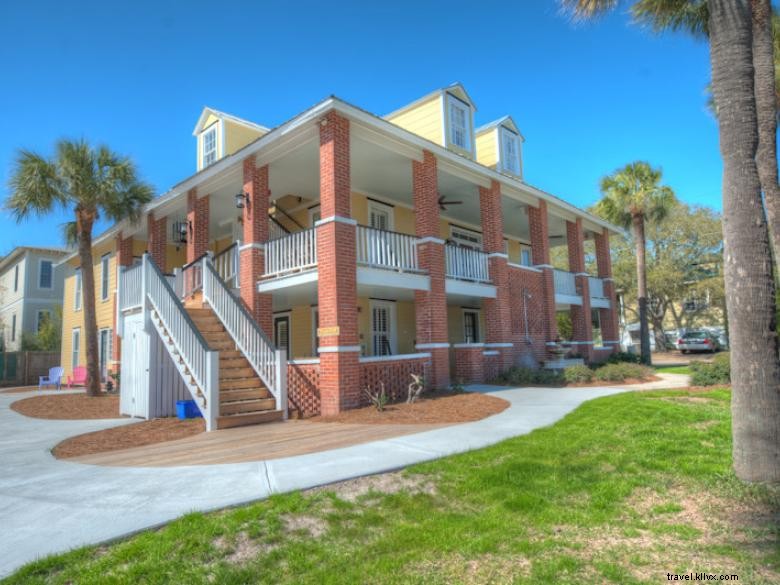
x,y
281,381
212,389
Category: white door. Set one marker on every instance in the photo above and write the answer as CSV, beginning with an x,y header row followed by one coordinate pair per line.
x,y
134,382
382,328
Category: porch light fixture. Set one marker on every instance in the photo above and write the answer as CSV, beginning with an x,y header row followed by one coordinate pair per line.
x,y
241,198
179,232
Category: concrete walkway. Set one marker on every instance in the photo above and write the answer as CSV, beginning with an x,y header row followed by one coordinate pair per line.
x,y
49,506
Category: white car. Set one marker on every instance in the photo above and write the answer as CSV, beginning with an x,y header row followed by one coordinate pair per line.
x,y
698,341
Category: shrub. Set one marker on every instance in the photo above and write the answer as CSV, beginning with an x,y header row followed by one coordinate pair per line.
x,y
578,374
518,376
624,357
717,372
377,398
622,371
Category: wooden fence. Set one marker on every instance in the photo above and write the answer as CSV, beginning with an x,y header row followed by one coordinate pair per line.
x,y
22,368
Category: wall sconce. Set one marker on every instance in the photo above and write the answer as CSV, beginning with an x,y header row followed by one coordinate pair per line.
x,y
241,200
179,231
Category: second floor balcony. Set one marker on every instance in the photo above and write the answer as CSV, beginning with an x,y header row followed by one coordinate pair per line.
x,y
566,291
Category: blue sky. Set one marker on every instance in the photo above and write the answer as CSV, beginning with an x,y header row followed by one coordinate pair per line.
x,y
135,75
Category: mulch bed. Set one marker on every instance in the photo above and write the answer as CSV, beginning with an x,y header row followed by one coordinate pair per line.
x,y
147,432
433,408
69,406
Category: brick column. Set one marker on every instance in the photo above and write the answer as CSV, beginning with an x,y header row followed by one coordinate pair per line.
x,y
540,253
469,363
156,240
124,259
582,326
337,267
608,317
498,319
255,218
430,306
197,225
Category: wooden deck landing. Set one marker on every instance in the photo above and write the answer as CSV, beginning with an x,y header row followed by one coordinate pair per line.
x,y
253,443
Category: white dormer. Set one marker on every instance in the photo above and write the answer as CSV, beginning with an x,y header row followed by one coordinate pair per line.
x,y
220,134
499,146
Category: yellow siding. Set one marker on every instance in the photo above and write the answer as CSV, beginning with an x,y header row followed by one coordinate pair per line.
x,y
406,327
175,258
425,120
487,153
455,324
364,325
513,250
238,136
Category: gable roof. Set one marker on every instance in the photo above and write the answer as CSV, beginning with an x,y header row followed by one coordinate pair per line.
x,y
505,121
204,115
456,89
19,251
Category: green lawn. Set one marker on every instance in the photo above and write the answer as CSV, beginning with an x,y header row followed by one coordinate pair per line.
x,y
623,490
673,369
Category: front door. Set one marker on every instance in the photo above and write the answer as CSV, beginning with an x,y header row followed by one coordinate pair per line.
x,y
282,333
104,349
134,386
382,328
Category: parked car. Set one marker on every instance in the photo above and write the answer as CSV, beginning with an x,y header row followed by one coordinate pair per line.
x,y
698,341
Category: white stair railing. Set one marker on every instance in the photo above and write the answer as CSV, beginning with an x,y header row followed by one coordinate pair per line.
x,y
192,276
385,249
269,363
465,263
226,264
197,364
130,292
292,253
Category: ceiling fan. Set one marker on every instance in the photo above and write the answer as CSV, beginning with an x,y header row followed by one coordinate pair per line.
x,y
443,203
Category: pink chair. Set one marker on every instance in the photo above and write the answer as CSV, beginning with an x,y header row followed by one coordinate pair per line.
x,y
79,376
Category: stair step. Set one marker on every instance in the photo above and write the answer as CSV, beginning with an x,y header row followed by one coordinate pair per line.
x,y
230,354
216,336
232,362
241,383
220,346
242,394
245,406
239,420
233,373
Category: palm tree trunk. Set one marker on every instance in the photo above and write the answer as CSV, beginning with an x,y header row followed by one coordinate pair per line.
x,y
84,221
750,290
638,226
766,108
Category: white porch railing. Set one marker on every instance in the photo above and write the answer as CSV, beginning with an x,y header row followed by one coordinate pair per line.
x,y
465,263
269,362
192,276
564,283
293,253
596,287
275,229
385,249
197,364
130,287
226,263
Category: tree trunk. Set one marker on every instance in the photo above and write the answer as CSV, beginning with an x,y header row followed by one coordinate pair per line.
x,y
766,111
85,221
641,285
750,292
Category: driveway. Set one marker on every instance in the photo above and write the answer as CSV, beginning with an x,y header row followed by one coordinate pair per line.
x,y
49,506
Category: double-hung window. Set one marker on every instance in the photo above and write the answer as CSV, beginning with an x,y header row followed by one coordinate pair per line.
x,y
460,123
16,278
471,326
45,275
510,151
466,237
77,291
75,342
104,274
209,146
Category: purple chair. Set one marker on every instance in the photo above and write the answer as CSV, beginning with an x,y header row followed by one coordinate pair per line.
x,y
53,379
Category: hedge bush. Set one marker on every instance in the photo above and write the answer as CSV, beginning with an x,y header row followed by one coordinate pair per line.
x,y
717,372
578,375
622,371
523,376
624,357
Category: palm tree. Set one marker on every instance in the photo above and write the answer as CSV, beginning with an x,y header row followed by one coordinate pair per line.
x,y
93,182
632,196
750,286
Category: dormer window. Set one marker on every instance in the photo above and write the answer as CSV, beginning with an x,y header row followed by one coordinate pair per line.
x,y
209,146
460,123
510,151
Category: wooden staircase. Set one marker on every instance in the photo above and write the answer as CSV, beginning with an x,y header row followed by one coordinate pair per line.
x,y
243,398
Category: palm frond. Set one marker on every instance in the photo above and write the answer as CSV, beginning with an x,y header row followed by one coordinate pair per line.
x,y
35,186
691,16
70,233
587,9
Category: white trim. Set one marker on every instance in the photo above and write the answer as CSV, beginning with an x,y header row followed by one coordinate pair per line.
x,y
581,274
453,286
295,279
288,316
310,211
337,219
578,343
304,361
387,278
105,273
75,331
499,345
503,255
40,272
392,334
339,349
392,358
489,353
464,241
430,240
468,345
608,279
384,208
251,246
432,346
524,267
215,128
78,290
550,266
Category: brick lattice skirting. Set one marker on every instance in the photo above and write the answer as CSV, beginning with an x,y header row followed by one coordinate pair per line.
x,y
303,391
395,374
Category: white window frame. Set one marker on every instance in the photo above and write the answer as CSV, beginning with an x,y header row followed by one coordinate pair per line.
x,y
204,154
16,278
75,349
109,348
466,241
476,313
78,286
378,206
455,102
40,274
526,249
505,159
282,315
313,213
105,279
38,314
392,332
